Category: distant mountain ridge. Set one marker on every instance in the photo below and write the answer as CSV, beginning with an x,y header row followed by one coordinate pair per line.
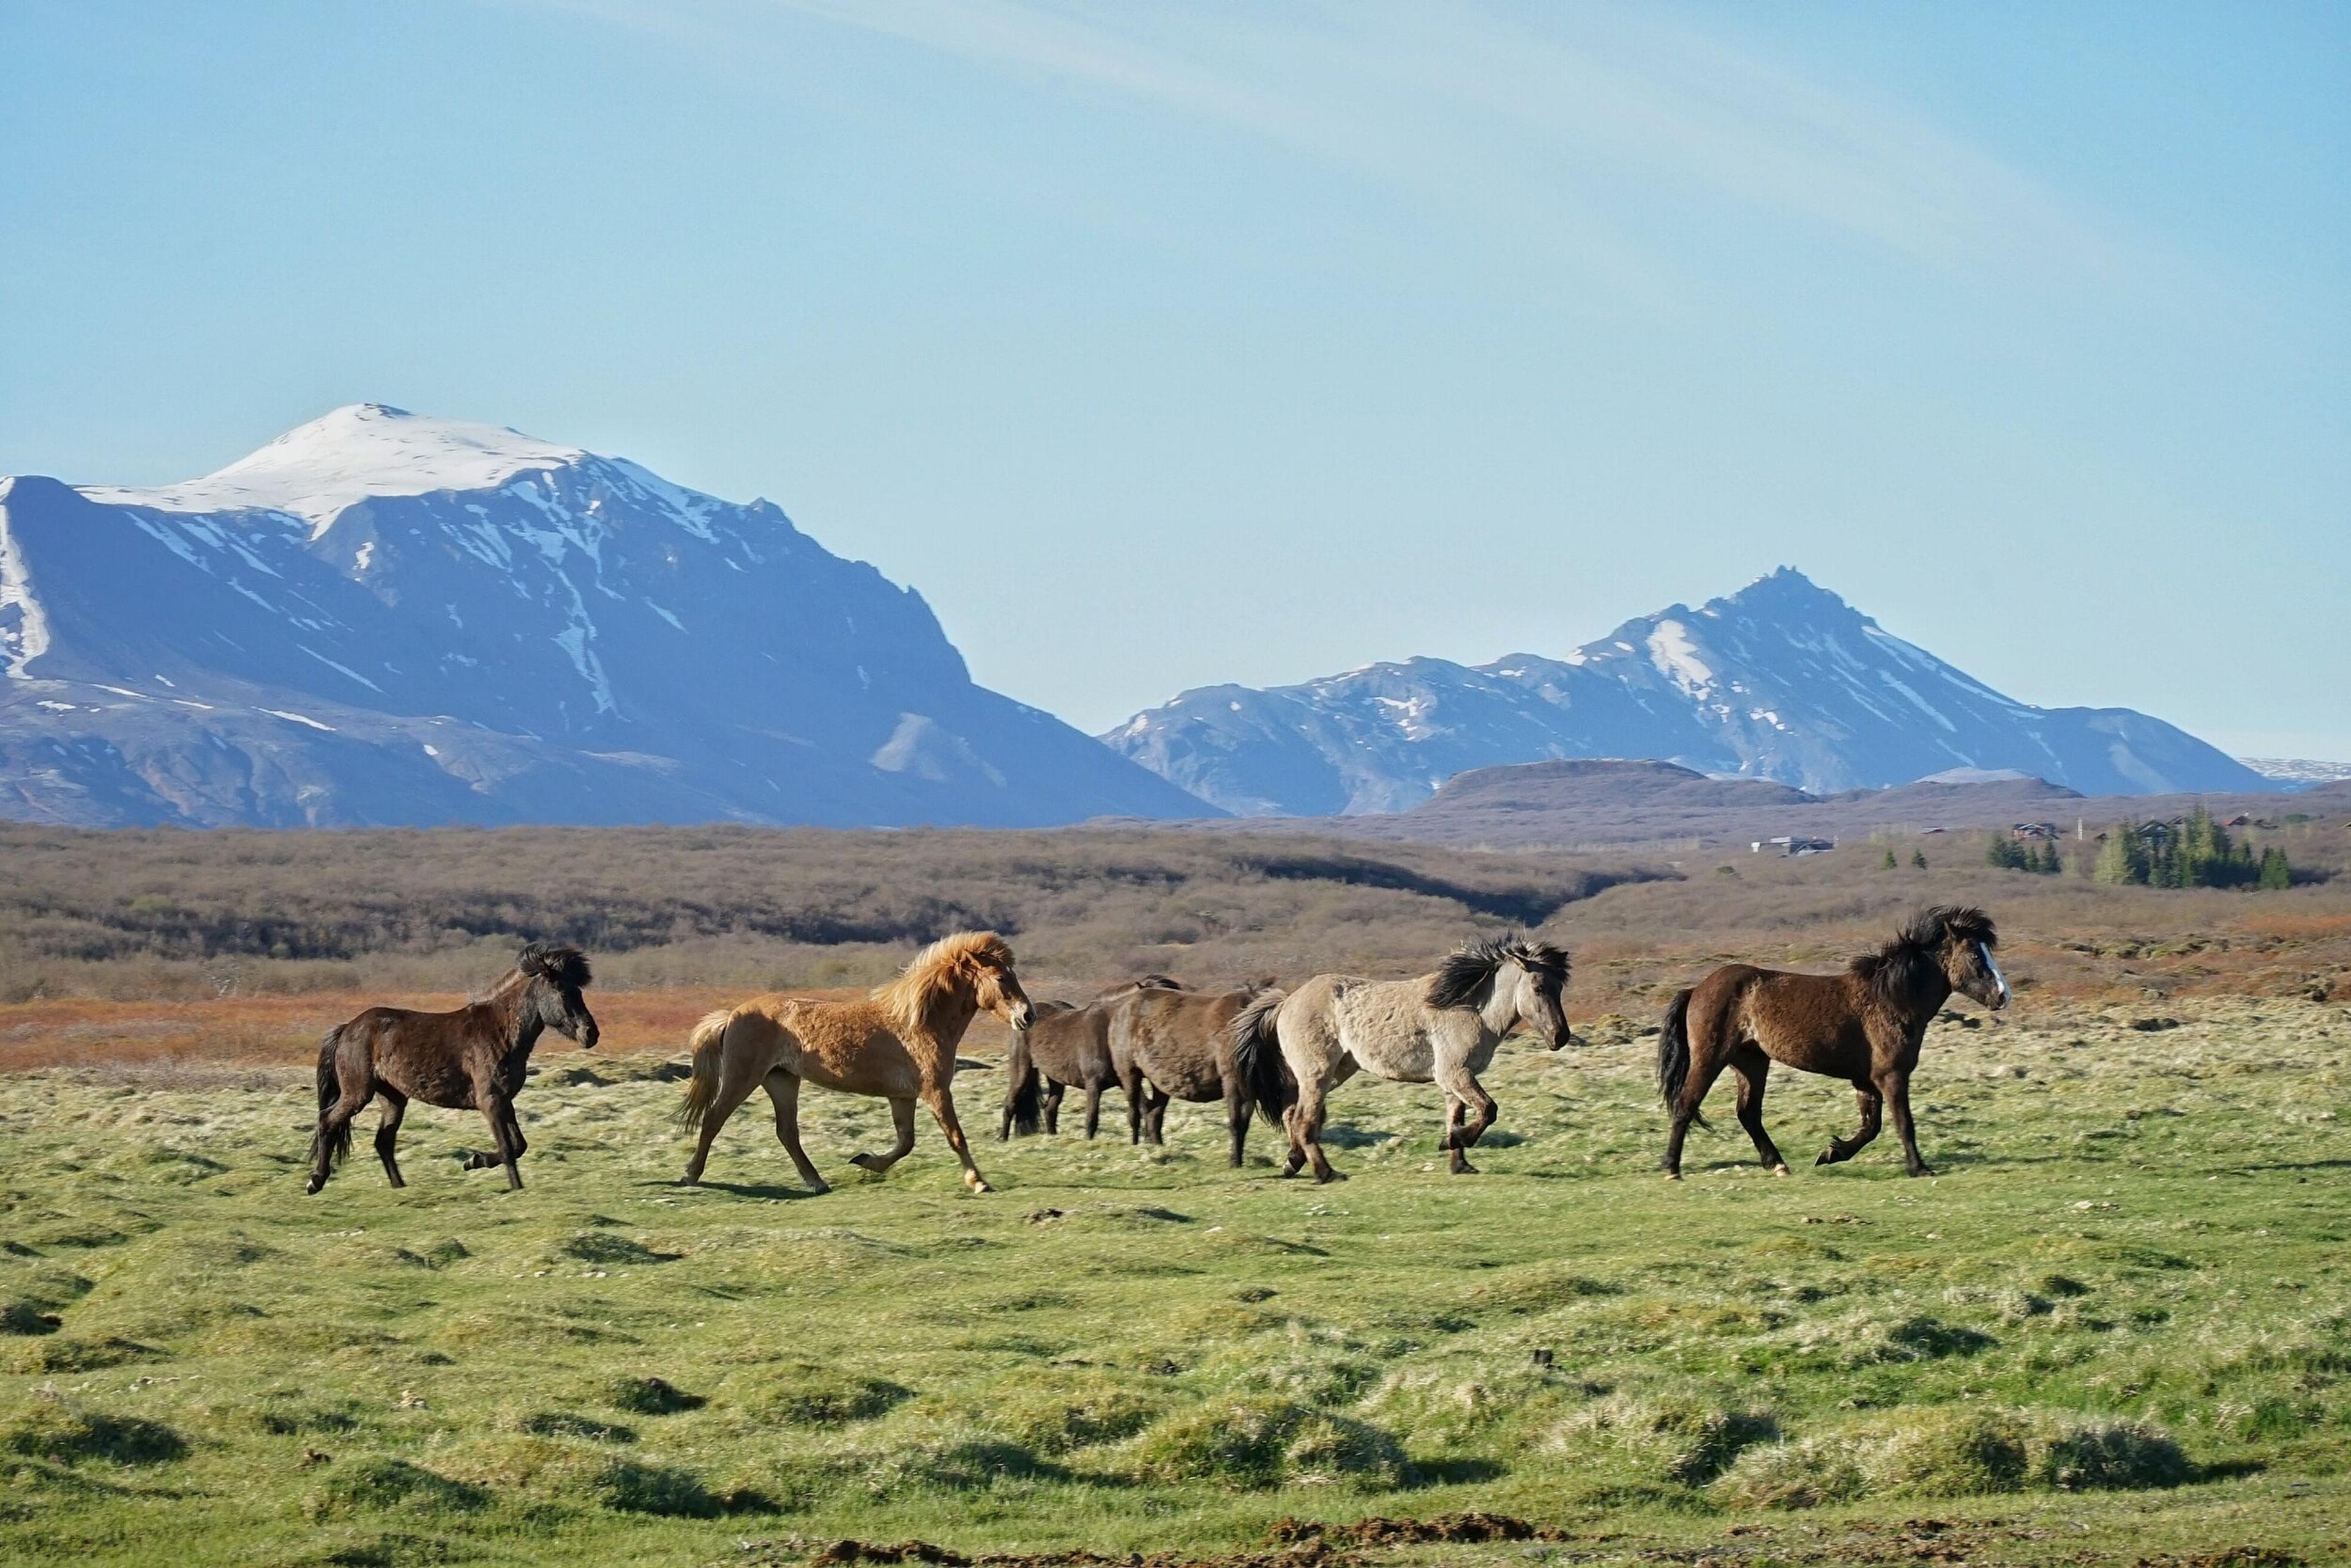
x,y
383,618
1781,681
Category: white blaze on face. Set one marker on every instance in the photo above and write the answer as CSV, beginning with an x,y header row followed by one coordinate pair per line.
x,y
1999,978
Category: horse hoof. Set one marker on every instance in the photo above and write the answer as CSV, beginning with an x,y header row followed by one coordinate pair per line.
x,y
1781,1170
312,1186
1828,1157
980,1186
1673,1176
1923,1171
865,1163
1464,1168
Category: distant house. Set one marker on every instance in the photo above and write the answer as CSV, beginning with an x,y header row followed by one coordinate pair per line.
x,y
1793,844
2037,831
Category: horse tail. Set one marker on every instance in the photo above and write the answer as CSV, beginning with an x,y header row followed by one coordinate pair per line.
x,y
1024,1090
1256,1055
708,1043
1674,1054
331,1094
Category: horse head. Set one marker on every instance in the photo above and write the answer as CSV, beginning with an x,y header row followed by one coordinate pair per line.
x,y
1512,981
981,962
1965,938
557,974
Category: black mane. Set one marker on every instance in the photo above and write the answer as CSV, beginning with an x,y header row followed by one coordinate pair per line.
x,y
565,966
1467,970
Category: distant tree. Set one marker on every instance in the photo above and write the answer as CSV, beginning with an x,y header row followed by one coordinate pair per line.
x,y
1889,857
1918,859
2006,854
2123,859
2274,873
2046,860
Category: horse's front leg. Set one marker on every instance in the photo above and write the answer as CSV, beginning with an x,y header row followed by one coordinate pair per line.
x,y
942,1104
901,1112
1841,1149
1054,1089
499,1112
1462,1090
1896,1087
1094,1109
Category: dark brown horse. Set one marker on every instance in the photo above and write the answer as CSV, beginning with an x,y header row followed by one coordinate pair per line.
x,y
1179,1045
473,1059
1864,1026
1066,1046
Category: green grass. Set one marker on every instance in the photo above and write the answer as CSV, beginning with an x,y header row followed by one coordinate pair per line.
x,y
2115,1328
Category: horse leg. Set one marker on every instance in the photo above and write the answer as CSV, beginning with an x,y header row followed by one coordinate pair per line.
x,y
358,1083
942,1104
1706,1066
1896,1086
1053,1092
1154,1113
901,1112
1463,1091
1306,1130
1237,1115
735,1086
1093,1109
387,1134
1753,1068
499,1114
1840,1149
784,1089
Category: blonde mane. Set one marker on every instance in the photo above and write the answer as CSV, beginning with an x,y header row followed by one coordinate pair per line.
x,y
936,971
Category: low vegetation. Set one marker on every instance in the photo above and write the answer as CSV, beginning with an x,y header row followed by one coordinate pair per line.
x,y
2112,1331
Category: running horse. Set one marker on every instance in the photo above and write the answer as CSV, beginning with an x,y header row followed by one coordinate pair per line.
x,y
473,1059
1442,1028
898,1044
1864,1026
1178,1045
1067,1044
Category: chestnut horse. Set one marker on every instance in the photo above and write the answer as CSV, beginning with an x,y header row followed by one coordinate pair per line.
x,y
898,1044
1066,1045
1178,1045
1442,1027
1864,1026
474,1058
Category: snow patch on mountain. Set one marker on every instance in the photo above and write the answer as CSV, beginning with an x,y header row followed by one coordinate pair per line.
x,y
364,450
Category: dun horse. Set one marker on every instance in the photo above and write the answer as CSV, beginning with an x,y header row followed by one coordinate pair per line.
x,y
1442,1027
473,1058
1179,1045
1066,1046
898,1044
1864,1026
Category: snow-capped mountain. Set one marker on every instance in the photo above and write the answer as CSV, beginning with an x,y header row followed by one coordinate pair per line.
x,y
1781,680
2298,771
383,618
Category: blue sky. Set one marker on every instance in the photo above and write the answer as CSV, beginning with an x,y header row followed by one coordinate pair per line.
x,y
1162,345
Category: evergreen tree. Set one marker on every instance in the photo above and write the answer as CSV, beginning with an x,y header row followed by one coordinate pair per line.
x,y
2275,874
2047,862
2006,854
1918,859
2123,859
1889,857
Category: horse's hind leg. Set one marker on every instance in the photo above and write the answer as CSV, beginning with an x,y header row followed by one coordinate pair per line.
x,y
1872,1104
1154,1113
358,1086
387,1135
1753,1069
784,1089
1053,1092
735,1082
1093,1109
1306,1130
901,1112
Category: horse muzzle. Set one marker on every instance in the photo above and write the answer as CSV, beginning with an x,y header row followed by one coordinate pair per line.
x,y
587,1038
1023,1015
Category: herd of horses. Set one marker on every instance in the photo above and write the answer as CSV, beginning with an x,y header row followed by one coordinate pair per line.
x,y
1261,1050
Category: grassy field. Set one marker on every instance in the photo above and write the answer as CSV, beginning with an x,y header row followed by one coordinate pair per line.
x,y
2114,1331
